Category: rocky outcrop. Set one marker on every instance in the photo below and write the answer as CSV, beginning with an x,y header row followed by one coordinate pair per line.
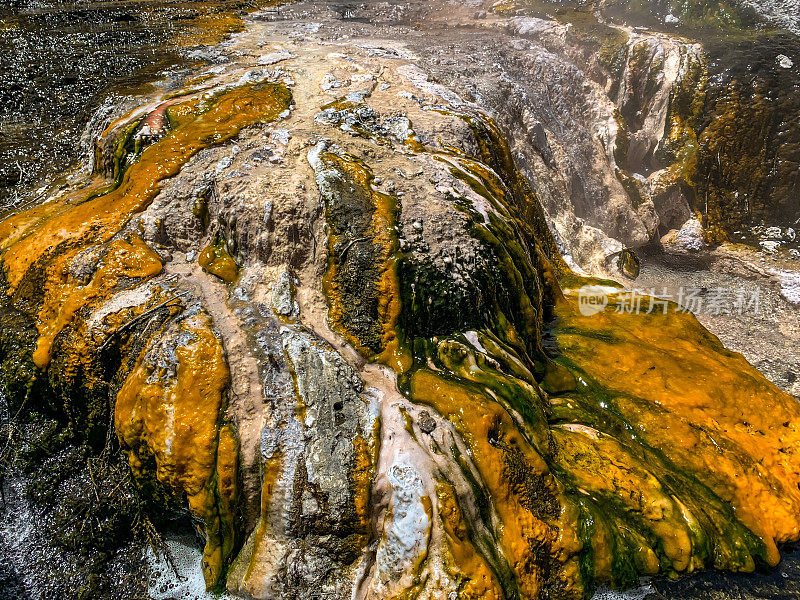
x,y
317,307
703,102
686,240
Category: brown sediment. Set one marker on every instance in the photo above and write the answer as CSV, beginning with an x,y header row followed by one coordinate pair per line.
x,y
361,474
216,21
227,489
211,29
270,473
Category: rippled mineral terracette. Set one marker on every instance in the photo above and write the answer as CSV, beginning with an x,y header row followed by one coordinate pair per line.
x,y
571,474
671,417
66,227
67,256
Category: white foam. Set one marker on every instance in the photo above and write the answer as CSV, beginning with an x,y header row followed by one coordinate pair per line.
x,y
185,581
635,594
790,285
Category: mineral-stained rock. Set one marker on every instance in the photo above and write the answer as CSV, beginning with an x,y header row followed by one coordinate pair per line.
x,y
687,240
361,370
167,417
216,260
691,113
317,466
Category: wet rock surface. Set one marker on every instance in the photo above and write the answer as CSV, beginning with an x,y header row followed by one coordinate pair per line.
x,y
313,308
65,65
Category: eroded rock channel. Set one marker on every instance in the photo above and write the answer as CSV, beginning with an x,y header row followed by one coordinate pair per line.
x,y
315,308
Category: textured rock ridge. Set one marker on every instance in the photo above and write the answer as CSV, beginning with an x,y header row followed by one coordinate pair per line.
x,y
702,94
319,302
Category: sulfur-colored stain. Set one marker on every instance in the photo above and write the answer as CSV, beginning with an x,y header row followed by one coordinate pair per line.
x,y
476,579
706,411
227,490
628,263
643,449
209,23
408,422
361,473
682,142
215,21
174,418
65,295
492,438
482,401
599,464
180,111
653,469
216,260
211,29
71,239
78,222
655,462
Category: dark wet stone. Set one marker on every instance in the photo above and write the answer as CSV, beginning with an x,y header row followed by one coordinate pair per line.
x,y
628,263
782,583
426,422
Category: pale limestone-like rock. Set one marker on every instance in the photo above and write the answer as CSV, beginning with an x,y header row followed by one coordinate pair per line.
x,y
687,240
274,57
773,233
405,542
789,282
